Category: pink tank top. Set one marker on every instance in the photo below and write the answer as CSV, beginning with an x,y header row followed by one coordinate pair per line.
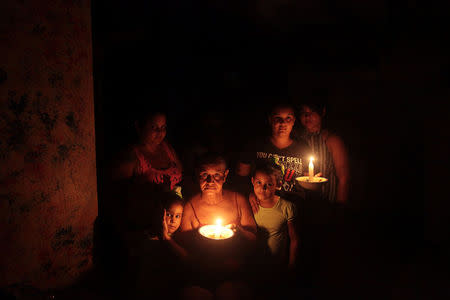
x,y
172,173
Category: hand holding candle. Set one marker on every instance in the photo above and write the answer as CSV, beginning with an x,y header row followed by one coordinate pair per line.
x,y
311,182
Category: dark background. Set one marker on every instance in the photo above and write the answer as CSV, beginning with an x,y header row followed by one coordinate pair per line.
x,y
371,59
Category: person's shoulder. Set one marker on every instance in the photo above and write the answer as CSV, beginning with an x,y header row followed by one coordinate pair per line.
x,y
187,210
229,194
300,145
287,205
333,139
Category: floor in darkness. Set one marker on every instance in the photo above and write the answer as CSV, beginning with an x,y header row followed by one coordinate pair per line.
x,y
357,261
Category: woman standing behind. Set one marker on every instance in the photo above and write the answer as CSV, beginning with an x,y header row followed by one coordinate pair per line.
x,y
134,179
152,159
144,170
329,150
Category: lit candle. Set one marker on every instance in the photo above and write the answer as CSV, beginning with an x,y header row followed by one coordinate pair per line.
x,y
311,169
217,231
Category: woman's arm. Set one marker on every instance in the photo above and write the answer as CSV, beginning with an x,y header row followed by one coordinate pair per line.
x,y
293,244
341,164
179,251
186,221
123,167
248,224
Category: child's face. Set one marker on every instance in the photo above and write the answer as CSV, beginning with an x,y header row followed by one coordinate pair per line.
x,y
173,217
282,120
264,186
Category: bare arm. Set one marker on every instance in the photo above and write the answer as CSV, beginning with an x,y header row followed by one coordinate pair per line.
x,y
293,244
123,167
341,165
186,221
248,224
254,202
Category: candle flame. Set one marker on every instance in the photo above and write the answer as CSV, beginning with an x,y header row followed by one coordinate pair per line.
x,y
219,222
311,158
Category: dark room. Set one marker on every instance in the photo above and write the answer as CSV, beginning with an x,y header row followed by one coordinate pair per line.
x,y
222,150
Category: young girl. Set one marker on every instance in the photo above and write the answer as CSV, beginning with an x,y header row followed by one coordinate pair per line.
x,y
275,219
172,213
160,258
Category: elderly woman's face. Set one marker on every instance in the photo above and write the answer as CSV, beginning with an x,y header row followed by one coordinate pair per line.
x,y
154,130
212,177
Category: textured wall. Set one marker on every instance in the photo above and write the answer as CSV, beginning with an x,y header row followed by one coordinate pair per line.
x,y
48,193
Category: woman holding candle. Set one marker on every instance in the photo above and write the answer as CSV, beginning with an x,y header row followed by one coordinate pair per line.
x,y
330,152
290,154
217,267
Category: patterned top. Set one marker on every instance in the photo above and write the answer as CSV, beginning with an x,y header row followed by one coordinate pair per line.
x,y
323,162
291,159
171,175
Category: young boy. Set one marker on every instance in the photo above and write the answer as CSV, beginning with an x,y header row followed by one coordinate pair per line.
x,y
275,218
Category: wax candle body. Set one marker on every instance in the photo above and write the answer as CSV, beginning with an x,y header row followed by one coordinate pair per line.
x,y
311,169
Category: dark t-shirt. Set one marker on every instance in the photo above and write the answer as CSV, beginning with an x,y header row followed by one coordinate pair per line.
x,y
293,159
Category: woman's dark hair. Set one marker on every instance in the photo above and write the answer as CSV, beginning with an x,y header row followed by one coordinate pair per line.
x,y
144,115
209,158
279,103
316,100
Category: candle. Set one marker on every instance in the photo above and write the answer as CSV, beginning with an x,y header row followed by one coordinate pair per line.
x,y
217,231
311,169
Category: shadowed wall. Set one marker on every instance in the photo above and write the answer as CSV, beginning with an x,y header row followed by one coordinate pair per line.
x,y
48,193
